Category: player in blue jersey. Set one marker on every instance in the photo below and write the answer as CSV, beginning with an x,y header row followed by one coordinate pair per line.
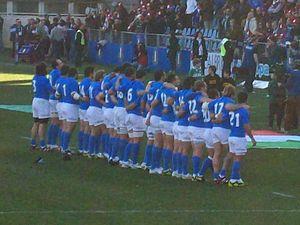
x,y
167,98
240,126
220,132
207,163
197,125
183,123
151,89
53,129
121,87
135,120
108,111
69,94
40,106
94,114
84,132
60,81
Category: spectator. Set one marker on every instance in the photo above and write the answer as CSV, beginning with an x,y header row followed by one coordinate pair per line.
x,y
1,33
80,43
249,63
250,24
141,56
224,23
16,36
191,6
196,70
276,9
292,113
207,13
212,80
57,37
277,98
200,50
226,80
173,48
227,51
197,21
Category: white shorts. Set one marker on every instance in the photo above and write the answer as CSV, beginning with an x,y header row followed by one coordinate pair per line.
x,y
208,138
237,145
175,131
40,108
150,133
94,116
53,108
59,110
220,134
166,127
82,115
108,114
196,134
183,134
135,125
155,124
70,112
120,120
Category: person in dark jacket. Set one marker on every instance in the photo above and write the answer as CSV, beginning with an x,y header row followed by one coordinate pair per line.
x,y
173,49
16,36
212,80
200,50
226,80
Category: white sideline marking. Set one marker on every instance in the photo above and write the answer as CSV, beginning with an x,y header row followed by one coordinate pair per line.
x,y
283,195
133,211
26,138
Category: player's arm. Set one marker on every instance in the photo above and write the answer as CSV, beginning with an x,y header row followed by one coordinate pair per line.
x,y
112,95
248,131
233,107
100,97
170,103
182,111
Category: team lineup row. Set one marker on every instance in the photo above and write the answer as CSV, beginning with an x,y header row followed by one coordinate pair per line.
x,y
116,109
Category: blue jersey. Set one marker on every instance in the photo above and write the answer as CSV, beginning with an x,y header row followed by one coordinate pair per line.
x,y
238,119
94,90
66,89
58,86
182,98
165,93
134,98
84,92
54,75
152,94
41,87
124,86
217,106
195,108
107,83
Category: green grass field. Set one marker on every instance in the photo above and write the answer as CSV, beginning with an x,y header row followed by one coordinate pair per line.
x,y
83,191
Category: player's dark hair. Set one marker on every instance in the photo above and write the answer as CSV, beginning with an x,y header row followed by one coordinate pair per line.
x,y
242,97
117,69
72,72
88,71
213,93
124,67
188,82
99,75
64,70
198,85
41,69
129,72
170,78
140,74
213,68
158,75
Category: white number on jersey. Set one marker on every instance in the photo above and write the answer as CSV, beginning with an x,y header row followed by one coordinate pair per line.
x,y
106,97
150,97
81,89
192,106
65,90
206,115
234,119
129,95
219,107
163,98
91,92
120,94
34,85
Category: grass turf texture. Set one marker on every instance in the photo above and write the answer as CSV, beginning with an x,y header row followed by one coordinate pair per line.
x,y
83,191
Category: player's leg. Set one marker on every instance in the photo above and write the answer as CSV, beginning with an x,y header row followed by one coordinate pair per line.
x,y
34,131
68,130
81,135
168,152
185,147
207,163
146,164
42,133
176,151
217,159
198,148
226,161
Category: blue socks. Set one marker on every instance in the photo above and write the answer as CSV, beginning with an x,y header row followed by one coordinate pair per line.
x,y
127,152
80,140
206,164
222,173
167,157
50,134
97,145
55,133
175,161
196,164
135,152
66,140
154,163
92,143
42,143
33,143
122,145
235,172
185,161
114,147
179,163
86,137
148,155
